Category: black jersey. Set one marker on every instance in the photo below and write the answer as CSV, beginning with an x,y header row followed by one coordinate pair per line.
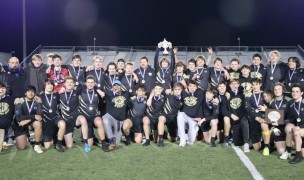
x,y
274,73
27,110
279,104
69,102
252,104
295,113
146,77
216,77
234,74
50,103
258,72
172,105
116,104
6,111
100,77
192,103
203,76
109,80
237,104
164,75
137,107
245,83
128,84
291,77
157,107
88,102
78,73
178,78
210,110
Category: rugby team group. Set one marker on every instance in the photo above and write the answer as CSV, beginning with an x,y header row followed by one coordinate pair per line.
x,y
172,100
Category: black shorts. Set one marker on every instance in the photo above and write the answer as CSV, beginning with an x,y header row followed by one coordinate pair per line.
x,y
137,124
70,124
153,122
282,136
255,131
205,127
20,130
49,126
171,122
240,131
91,125
220,125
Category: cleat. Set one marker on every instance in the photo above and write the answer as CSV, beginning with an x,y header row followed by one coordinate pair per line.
x,y
266,151
246,148
86,148
285,155
147,142
38,149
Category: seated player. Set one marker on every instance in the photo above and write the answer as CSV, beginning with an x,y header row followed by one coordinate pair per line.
x,y
172,105
51,117
155,105
137,111
295,123
28,114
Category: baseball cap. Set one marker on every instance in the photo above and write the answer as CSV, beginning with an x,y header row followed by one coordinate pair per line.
x,y
117,82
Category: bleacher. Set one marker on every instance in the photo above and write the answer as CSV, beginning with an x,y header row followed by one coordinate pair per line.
x,y
133,54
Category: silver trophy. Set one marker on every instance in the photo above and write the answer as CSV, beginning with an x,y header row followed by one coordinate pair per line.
x,y
165,45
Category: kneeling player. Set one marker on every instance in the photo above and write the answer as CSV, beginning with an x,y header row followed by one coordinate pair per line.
x,y
88,108
28,116
210,114
69,102
137,110
51,118
172,106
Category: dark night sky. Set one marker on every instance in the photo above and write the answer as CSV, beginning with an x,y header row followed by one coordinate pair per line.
x,y
146,22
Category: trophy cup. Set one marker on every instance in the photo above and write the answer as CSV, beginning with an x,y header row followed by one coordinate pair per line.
x,y
165,45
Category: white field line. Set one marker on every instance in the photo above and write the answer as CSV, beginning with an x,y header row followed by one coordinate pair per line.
x,y
254,172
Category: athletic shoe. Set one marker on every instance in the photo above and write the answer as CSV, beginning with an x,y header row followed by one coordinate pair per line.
x,y
182,144
266,151
285,155
59,148
225,144
86,148
128,140
38,149
246,148
212,144
161,143
296,160
147,142
104,147
10,142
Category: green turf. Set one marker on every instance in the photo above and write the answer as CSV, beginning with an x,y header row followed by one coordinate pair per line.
x,y
198,161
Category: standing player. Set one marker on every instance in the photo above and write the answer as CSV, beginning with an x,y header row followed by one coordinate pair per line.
x,y
6,111
275,70
202,74
237,113
146,75
172,105
155,104
179,75
120,66
58,73
218,73
69,102
164,69
234,70
245,79
51,118
88,108
292,74
76,71
116,106
28,114
111,75
129,79
137,111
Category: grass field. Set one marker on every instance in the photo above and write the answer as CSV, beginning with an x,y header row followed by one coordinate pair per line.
x,y
198,161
